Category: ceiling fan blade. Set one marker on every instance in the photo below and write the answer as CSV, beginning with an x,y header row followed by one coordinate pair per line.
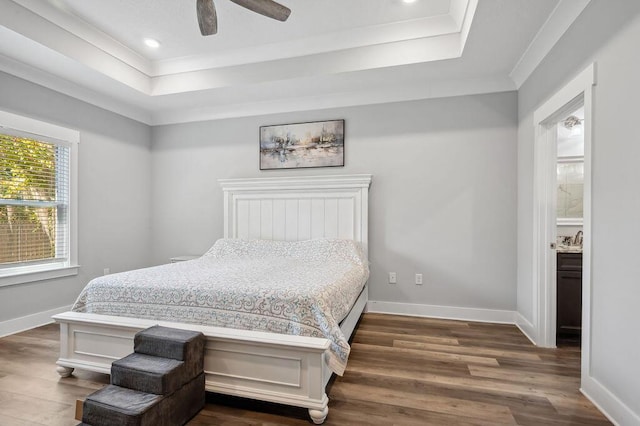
x,y
207,17
268,8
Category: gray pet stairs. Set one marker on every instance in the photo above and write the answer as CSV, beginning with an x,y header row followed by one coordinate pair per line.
x,y
160,384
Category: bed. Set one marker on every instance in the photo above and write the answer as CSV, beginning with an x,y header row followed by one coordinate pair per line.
x,y
249,361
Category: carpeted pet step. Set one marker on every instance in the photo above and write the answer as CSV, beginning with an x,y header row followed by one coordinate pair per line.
x,y
185,403
117,406
151,374
181,345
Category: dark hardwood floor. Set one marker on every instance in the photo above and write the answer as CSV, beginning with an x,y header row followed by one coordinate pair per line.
x,y
402,371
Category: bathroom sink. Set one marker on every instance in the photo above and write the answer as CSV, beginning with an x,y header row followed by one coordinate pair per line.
x,y
569,248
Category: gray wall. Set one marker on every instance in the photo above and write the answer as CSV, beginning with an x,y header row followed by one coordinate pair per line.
x,y
607,33
113,190
442,202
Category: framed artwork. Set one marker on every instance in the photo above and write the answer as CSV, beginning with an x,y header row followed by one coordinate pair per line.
x,y
299,145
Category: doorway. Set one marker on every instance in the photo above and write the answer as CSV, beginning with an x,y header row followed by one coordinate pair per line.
x,y
569,219
575,95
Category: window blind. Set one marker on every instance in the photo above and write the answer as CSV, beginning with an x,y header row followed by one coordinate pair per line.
x,y
34,200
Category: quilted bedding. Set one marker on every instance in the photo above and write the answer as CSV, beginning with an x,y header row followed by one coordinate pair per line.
x,y
301,288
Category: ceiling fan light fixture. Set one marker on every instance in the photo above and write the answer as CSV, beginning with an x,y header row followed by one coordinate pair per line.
x,y
208,17
152,43
572,121
574,125
268,8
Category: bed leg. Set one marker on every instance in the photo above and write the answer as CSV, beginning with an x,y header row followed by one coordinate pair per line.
x,y
318,416
64,371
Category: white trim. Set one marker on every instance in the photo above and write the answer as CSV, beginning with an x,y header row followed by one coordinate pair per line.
x,y
38,128
122,106
55,49
455,313
586,228
544,228
526,327
28,322
66,27
545,233
566,94
71,138
73,202
132,107
38,31
392,92
463,11
543,285
566,221
295,182
70,36
571,159
48,272
609,404
445,312
559,21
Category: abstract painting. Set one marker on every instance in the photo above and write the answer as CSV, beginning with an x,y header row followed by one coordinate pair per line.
x,y
292,146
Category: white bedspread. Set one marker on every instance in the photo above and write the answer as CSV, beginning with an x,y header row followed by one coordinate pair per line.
x,y
302,288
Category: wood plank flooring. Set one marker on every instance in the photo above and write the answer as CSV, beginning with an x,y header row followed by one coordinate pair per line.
x,y
401,371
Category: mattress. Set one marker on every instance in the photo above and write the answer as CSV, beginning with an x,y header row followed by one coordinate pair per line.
x,y
300,288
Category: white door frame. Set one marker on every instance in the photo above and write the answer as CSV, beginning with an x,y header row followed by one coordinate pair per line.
x,y
544,217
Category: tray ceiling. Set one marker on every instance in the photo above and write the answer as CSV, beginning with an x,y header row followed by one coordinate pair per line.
x,y
329,53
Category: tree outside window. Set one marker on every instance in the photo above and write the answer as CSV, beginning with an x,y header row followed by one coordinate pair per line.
x,y
33,199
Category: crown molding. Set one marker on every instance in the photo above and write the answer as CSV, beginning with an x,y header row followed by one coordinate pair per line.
x,y
70,24
84,63
400,92
72,89
564,14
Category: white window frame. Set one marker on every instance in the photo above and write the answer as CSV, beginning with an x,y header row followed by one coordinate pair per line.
x,y
48,270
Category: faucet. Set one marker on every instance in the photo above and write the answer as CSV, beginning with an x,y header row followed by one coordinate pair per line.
x,y
577,240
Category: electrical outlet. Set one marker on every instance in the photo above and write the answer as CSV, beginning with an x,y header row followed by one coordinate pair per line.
x,y
418,279
392,278
107,271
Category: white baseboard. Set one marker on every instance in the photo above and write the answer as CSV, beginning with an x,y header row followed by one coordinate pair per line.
x,y
445,312
28,322
526,327
609,404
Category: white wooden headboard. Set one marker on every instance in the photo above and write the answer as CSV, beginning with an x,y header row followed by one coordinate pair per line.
x,y
297,208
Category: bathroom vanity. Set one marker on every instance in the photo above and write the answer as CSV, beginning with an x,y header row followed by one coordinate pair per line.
x,y
569,295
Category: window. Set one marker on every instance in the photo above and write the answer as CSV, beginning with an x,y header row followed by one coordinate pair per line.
x,y
37,200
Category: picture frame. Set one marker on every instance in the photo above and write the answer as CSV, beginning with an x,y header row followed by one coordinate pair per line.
x,y
302,145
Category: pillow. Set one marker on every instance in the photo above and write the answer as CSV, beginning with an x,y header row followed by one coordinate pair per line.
x,y
311,250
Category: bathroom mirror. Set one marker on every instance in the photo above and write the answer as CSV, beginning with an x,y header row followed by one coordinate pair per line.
x,y
570,191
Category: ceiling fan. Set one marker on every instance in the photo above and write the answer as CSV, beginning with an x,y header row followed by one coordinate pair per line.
x,y
208,20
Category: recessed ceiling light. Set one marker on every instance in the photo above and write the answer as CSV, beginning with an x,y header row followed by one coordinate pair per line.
x,y
409,1
152,43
